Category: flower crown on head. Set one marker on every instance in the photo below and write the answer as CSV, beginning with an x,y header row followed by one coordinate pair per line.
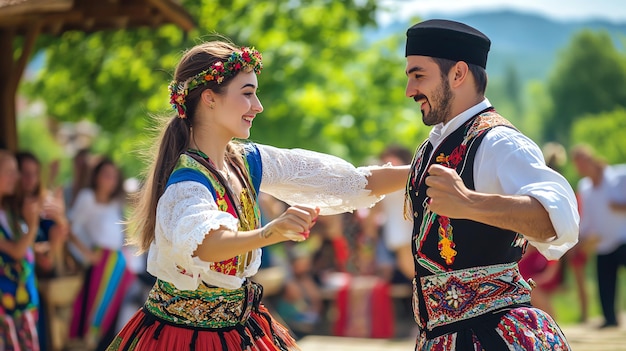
x,y
248,60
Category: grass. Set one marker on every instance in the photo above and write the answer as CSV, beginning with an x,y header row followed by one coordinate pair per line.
x,y
566,303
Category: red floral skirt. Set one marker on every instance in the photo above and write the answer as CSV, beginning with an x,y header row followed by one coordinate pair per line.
x,y
211,319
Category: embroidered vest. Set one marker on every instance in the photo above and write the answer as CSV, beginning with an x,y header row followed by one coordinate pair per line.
x,y
188,169
441,244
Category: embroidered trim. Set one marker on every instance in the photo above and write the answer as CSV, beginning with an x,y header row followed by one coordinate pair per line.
x,y
458,295
446,243
455,160
411,184
235,266
205,307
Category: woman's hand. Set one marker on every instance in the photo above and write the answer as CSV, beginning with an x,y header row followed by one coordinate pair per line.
x,y
54,206
294,224
31,208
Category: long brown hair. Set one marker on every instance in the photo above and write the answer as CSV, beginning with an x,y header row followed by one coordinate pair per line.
x,y
175,137
81,169
23,157
10,203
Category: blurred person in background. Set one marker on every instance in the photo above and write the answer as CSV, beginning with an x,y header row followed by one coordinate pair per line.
x,y
547,275
396,230
602,195
53,224
96,219
286,275
53,227
80,176
19,226
576,258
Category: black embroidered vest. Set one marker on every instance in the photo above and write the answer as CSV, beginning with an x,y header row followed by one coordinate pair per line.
x,y
442,244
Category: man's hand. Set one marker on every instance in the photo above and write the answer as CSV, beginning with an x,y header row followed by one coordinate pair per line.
x,y
448,195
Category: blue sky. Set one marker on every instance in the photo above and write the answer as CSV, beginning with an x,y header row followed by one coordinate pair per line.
x,y
613,10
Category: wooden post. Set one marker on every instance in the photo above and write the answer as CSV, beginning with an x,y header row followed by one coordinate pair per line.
x,y
8,130
10,76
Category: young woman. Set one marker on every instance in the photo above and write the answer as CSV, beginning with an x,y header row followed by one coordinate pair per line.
x,y
96,219
199,216
19,226
52,233
53,224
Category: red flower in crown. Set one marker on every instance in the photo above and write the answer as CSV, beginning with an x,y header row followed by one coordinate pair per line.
x,y
246,56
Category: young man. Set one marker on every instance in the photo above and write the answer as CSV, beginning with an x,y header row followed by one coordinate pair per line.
x,y
477,191
602,194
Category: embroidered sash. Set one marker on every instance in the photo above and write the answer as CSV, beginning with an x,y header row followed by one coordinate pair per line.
x,y
205,307
459,295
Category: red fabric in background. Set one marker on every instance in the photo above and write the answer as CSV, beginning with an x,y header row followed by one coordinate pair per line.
x,y
534,263
342,252
375,319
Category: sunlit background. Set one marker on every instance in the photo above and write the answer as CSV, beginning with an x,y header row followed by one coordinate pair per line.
x,y
333,79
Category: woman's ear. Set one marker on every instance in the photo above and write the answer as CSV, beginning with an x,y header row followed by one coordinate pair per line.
x,y
208,98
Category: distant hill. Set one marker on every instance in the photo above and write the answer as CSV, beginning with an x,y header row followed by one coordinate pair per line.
x,y
529,42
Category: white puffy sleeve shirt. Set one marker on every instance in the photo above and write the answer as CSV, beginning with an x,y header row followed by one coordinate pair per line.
x,y
509,163
187,211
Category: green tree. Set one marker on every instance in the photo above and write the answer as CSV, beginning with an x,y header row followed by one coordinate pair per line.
x,y
513,87
532,123
588,79
323,86
34,135
605,133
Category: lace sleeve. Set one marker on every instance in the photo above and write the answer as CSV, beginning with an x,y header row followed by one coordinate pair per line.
x,y
185,214
299,176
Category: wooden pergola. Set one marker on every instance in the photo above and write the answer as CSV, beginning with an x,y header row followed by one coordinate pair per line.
x,y
28,19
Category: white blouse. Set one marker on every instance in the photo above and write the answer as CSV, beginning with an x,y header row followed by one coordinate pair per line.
x,y
187,211
97,224
597,217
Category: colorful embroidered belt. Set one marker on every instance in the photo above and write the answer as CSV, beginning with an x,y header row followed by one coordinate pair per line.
x,y
210,308
459,295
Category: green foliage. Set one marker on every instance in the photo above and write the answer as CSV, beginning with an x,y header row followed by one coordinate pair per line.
x,y
513,87
323,87
588,79
34,135
537,101
605,133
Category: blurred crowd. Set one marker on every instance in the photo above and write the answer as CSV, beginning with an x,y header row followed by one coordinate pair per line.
x,y
351,278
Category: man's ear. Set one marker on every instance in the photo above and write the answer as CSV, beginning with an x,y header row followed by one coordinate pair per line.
x,y
459,73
